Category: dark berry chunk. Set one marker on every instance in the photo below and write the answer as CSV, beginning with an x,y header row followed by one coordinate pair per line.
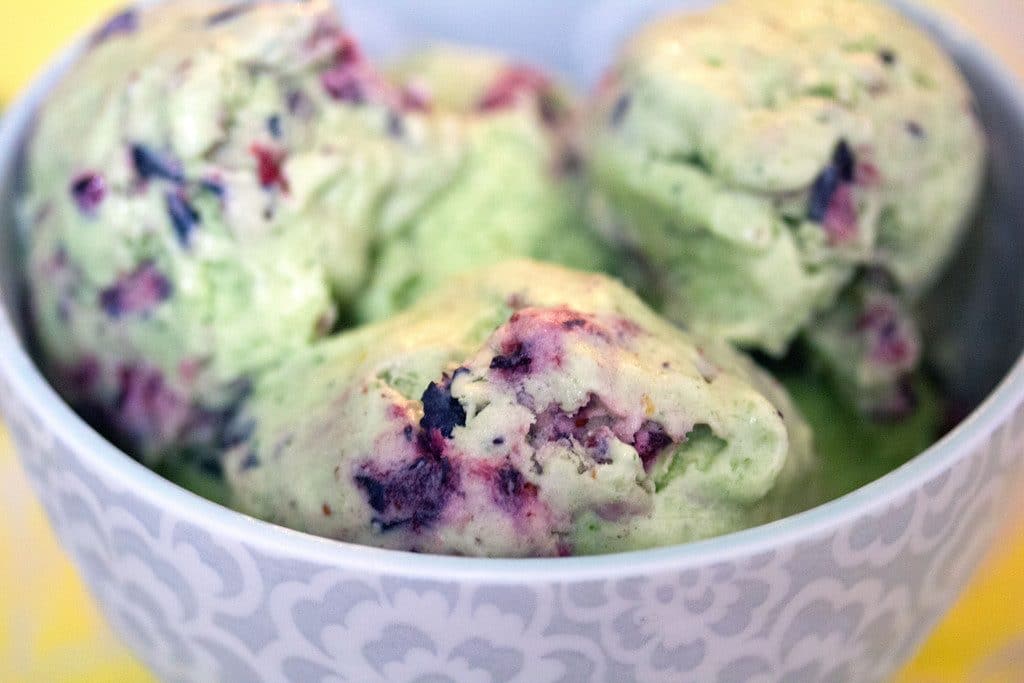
x,y
621,109
123,23
274,126
147,408
228,13
845,161
516,360
821,193
915,129
441,411
413,494
649,442
396,125
270,167
236,431
150,164
890,337
344,83
250,462
214,186
83,375
299,104
88,189
574,323
184,217
511,490
137,292
887,56
842,169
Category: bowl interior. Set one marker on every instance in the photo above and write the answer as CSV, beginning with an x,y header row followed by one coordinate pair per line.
x,y
974,319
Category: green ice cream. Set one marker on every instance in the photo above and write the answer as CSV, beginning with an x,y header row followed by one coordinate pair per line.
x,y
757,153
854,451
510,194
212,185
201,185
521,410
869,346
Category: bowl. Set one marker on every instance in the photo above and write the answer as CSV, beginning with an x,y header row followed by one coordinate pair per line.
x,y
845,591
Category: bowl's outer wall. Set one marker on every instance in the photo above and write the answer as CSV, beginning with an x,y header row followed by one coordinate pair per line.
x,y
847,600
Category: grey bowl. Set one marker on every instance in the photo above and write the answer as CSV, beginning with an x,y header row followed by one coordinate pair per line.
x,y
842,592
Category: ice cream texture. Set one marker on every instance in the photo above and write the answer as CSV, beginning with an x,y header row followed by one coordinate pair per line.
x,y
758,153
514,190
521,410
196,208
211,187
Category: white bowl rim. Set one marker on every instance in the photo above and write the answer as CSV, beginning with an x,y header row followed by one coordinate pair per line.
x,y
28,383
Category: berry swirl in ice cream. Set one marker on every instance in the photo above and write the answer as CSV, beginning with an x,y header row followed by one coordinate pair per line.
x,y
522,410
214,187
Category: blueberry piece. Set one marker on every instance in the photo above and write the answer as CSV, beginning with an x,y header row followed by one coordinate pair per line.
x,y
649,442
123,23
211,467
250,462
274,126
510,481
214,187
150,164
299,104
344,83
821,193
236,432
843,168
414,494
441,411
229,13
137,292
887,56
915,129
88,190
396,125
574,323
621,109
845,160
184,217
515,361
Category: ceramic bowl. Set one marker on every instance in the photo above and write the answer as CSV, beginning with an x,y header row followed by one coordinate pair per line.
x,y
844,592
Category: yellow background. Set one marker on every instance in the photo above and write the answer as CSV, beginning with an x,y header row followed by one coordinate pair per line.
x,y
51,631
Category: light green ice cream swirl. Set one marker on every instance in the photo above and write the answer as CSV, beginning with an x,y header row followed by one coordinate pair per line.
x,y
522,410
758,152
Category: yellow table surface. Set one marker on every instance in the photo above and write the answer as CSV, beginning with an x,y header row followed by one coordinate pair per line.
x,y
50,630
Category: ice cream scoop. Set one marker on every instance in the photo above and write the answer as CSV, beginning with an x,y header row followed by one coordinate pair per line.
x,y
521,410
757,154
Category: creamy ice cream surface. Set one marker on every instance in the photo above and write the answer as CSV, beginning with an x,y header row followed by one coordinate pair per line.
x,y
216,186
522,410
758,153
514,191
200,184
